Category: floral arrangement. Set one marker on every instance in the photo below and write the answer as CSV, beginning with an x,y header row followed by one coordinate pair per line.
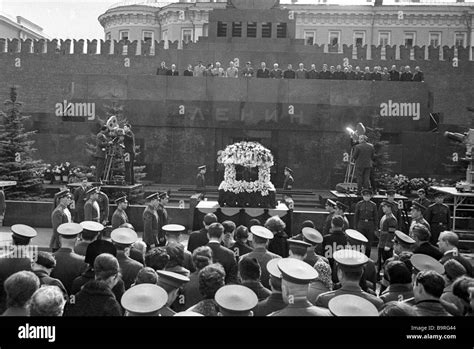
x,y
399,182
247,154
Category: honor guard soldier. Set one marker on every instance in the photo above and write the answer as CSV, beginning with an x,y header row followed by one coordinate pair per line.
x,y
80,200
14,257
350,305
201,179
151,222
330,205
120,216
275,301
123,238
395,209
163,198
289,181
144,300
69,265
350,268
261,237
296,277
339,210
171,282
91,207
90,233
366,218
235,300
103,201
422,200
60,215
387,227
416,211
438,217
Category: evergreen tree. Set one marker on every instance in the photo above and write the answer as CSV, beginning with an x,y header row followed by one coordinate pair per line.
x,y
16,151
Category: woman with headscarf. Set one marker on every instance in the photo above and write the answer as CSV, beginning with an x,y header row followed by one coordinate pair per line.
x,y
323,283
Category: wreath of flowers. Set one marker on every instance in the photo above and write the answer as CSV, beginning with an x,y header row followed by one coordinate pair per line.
x,y
246,154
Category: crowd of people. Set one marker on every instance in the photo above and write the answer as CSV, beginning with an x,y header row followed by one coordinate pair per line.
x,y
338,72
261,269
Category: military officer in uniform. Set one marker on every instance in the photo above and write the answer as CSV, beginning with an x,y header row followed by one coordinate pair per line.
x,y
120,216
235,300
388,225
60,215
422,200
90,233
395,209
15,256
163,198
330,205
366,218
171,282
296,277
151,222
261,237
416,211
358,242
339,210
289,181
438,217
69,265
91,208
103,201
350,305
201,179
123,238
172,234
275,301
350,268
315,239
80,200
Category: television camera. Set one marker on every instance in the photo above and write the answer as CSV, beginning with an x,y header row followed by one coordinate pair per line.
x,y
468,140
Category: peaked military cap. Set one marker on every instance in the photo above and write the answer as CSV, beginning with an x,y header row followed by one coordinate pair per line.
x,y
355,235
153,196
351,305
144,298
170,280
288,169
173,228
124,236
404,238
63,193
366,191
423,262
121,199
261,232
69,229
23,230
417,206
350,258
296,271
312,235
92,226
272,268
92,190
236,298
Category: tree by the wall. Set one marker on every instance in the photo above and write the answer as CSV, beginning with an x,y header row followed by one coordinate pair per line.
x,y
16,151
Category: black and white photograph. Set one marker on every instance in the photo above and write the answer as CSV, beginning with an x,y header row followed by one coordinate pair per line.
x,y
253,161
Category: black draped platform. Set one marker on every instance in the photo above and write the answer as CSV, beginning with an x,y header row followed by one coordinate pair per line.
x,y
257,200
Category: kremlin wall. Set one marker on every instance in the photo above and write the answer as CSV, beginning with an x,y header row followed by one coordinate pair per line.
x,y
181,122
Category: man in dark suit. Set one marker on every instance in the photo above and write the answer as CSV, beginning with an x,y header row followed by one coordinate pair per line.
x,y
313,73
394,74
448,245
43,266
263,71
123,238
438,217
289,73
102,141
163,69
60,215
80,200
418,76
129,154
189,71
301,73
422,236
151,222
120,216
324,73
173,71
363,157
276,72
200,238
221,254
69,265
289,180
13,258
406,75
